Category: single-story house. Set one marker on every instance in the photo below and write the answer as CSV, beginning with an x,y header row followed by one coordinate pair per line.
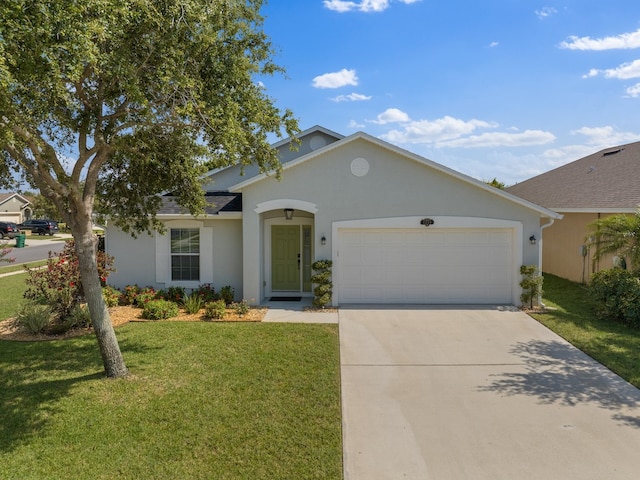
x,y
596,186
14,208
398,228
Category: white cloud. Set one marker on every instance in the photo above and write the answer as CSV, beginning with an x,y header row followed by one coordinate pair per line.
x,y
502,139
336,79
434,131
634,91
606,136
363,6
391,115
494,44
546,12
342,6
622,41
353,125
352,97
623,72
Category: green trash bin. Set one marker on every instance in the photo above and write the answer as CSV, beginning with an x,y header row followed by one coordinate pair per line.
x,y
20,239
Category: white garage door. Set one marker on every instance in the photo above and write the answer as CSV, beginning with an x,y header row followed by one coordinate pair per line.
x,y
423,266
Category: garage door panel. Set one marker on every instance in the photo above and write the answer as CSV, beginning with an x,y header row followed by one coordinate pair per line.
x,y
425,266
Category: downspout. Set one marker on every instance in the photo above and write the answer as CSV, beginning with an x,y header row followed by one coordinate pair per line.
x,y
546,225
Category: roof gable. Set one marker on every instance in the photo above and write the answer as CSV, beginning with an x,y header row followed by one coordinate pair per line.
x,y
607,180
471,182
5,197
311,139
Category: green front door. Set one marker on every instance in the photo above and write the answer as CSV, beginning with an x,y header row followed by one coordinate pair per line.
x,y
285,258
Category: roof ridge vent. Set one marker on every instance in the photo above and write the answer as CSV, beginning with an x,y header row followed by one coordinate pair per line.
x,y
612,152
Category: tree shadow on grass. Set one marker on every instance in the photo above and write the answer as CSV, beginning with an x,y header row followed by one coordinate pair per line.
x,y
36,376
33,377
557,373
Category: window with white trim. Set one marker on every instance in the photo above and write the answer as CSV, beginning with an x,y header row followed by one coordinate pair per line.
x,y
185,254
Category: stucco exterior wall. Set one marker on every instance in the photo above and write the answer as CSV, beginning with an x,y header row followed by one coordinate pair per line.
x,y
134,258
562,253
394,186
144,260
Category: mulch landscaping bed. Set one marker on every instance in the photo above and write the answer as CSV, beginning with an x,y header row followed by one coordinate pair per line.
x,y
10,330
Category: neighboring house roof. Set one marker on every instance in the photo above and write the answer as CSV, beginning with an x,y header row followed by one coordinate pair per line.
x,y
608,180
5,197
217,202
395,149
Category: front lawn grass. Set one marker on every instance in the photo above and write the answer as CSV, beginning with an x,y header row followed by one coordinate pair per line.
x,y
20,267
573,317
204,401
12,289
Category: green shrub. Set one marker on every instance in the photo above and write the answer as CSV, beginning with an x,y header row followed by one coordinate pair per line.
x,y
80,317
241,308
531,284
34,317
192,303
111,296
215,309
227,294
322,279
144,296
159,310
129,295
617,292
175,294
206,292
59,283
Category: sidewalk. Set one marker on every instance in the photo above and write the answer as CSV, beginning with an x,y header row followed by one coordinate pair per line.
x,y
295,312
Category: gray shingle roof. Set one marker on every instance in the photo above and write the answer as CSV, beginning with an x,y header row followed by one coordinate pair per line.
x,y
608,179
216,202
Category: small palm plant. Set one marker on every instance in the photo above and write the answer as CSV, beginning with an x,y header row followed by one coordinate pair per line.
x,y
618,234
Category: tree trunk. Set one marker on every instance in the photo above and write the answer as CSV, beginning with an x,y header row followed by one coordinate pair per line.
x,y
86,245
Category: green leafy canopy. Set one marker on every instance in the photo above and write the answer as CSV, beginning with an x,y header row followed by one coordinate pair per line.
x,y
139,96
111,102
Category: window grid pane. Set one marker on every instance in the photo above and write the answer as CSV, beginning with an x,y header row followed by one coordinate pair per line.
x,y
185,258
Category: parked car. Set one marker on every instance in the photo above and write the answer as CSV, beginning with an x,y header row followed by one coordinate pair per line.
x,y
40,227
8,230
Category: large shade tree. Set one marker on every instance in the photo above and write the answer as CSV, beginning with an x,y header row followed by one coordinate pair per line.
x,y
110,102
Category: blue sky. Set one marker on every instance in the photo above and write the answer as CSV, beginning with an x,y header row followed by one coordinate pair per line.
x,y
502,88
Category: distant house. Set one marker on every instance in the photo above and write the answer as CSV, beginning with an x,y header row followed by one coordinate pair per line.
x,y
593,187
399,229
14,208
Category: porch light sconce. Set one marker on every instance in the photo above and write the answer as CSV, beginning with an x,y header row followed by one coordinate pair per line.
x,y
427,222
532,240
288,213
323,240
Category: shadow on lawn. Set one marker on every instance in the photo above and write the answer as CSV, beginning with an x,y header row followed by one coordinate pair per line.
x,y
35,376
558,373
610,342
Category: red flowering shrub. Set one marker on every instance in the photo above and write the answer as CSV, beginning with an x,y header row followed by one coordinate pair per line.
x,y
4,251
58,284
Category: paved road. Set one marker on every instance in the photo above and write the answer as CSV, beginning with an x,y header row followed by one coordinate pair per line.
x,y
482,394
35,250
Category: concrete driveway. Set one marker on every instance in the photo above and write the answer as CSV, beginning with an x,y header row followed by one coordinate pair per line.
x,y
478,393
